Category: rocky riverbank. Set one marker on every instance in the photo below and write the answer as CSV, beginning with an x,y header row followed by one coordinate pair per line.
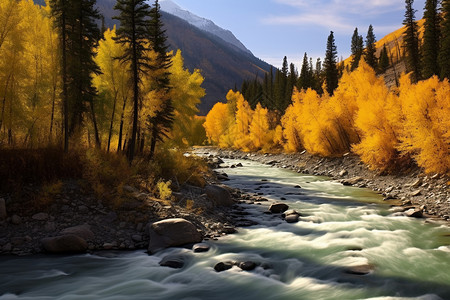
x,y
415,194
76,221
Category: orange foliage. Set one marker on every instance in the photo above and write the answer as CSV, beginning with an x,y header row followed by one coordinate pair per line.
x,y
426,127
384,127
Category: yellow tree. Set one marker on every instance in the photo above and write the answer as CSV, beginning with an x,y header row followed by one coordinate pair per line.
x,y
244,114
426,126
374,122
186,94
113,85
218,125
260,133
12,69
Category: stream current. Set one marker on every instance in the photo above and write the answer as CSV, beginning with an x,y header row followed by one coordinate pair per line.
x,y
342,228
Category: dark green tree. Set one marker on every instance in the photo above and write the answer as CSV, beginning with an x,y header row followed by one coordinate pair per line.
x,y
84,37
431,39
444,53
383,63
411,42
133,34
161,122
305,80
357,49
60,12
280,87
330,65
371,49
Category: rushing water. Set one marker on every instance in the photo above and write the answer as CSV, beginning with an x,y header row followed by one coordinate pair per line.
x,y
342,227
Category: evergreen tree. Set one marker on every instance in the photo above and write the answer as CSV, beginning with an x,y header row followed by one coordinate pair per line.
x,y
84,37
444,53
60,12
357,49
133,34
330,66
371,49
305,79
384,60
161,122
292,80
411,42
431,39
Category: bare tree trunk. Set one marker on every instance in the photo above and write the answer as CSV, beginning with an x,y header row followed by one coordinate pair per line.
x,y
94,121
112,120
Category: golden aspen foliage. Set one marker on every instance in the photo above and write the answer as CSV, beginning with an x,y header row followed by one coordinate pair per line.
x,y
260,133
291,126
426,125
373,121
113,103
217,125
186,94
244,115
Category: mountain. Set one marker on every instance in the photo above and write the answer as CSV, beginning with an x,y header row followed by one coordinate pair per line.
x,y
201,23
222,59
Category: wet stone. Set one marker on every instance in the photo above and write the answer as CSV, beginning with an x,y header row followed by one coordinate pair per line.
x,y
223,266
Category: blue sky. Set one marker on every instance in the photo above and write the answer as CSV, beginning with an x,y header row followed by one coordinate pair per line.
x,y
272,29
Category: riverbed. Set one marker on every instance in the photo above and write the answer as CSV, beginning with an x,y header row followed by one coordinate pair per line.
x,y
348,244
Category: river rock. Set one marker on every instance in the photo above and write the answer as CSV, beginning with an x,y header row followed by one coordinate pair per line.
x,y
3,214
292,218
83,231
172,233
414,213
69,243
223,266
277,208
247,265
16,220
173,261
40,217
343,173
201,247
352,181
360,270
219,195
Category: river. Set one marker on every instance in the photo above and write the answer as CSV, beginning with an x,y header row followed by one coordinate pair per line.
x,y
342,229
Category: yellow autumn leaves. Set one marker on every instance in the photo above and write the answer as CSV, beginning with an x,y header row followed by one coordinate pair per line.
x,y
386,128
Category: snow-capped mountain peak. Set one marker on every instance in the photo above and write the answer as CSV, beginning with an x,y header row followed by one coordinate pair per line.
x,y
204,24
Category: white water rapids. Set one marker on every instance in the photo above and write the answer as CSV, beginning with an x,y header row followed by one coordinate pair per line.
x,y
342,227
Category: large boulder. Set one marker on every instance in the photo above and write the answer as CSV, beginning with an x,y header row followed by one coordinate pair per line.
x,y
69,243
83,231
172,233
219,195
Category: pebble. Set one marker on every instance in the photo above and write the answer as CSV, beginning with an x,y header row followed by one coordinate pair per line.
x,y
40,217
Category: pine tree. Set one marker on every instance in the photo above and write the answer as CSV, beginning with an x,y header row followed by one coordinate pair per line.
x,y
431,39
133,33
444,53
411,42
384,60
305,80
371,49
60,12
162,121
330,66
357,49
84,36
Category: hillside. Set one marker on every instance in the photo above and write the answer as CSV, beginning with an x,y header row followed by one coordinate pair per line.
x,y
223,64
394,45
